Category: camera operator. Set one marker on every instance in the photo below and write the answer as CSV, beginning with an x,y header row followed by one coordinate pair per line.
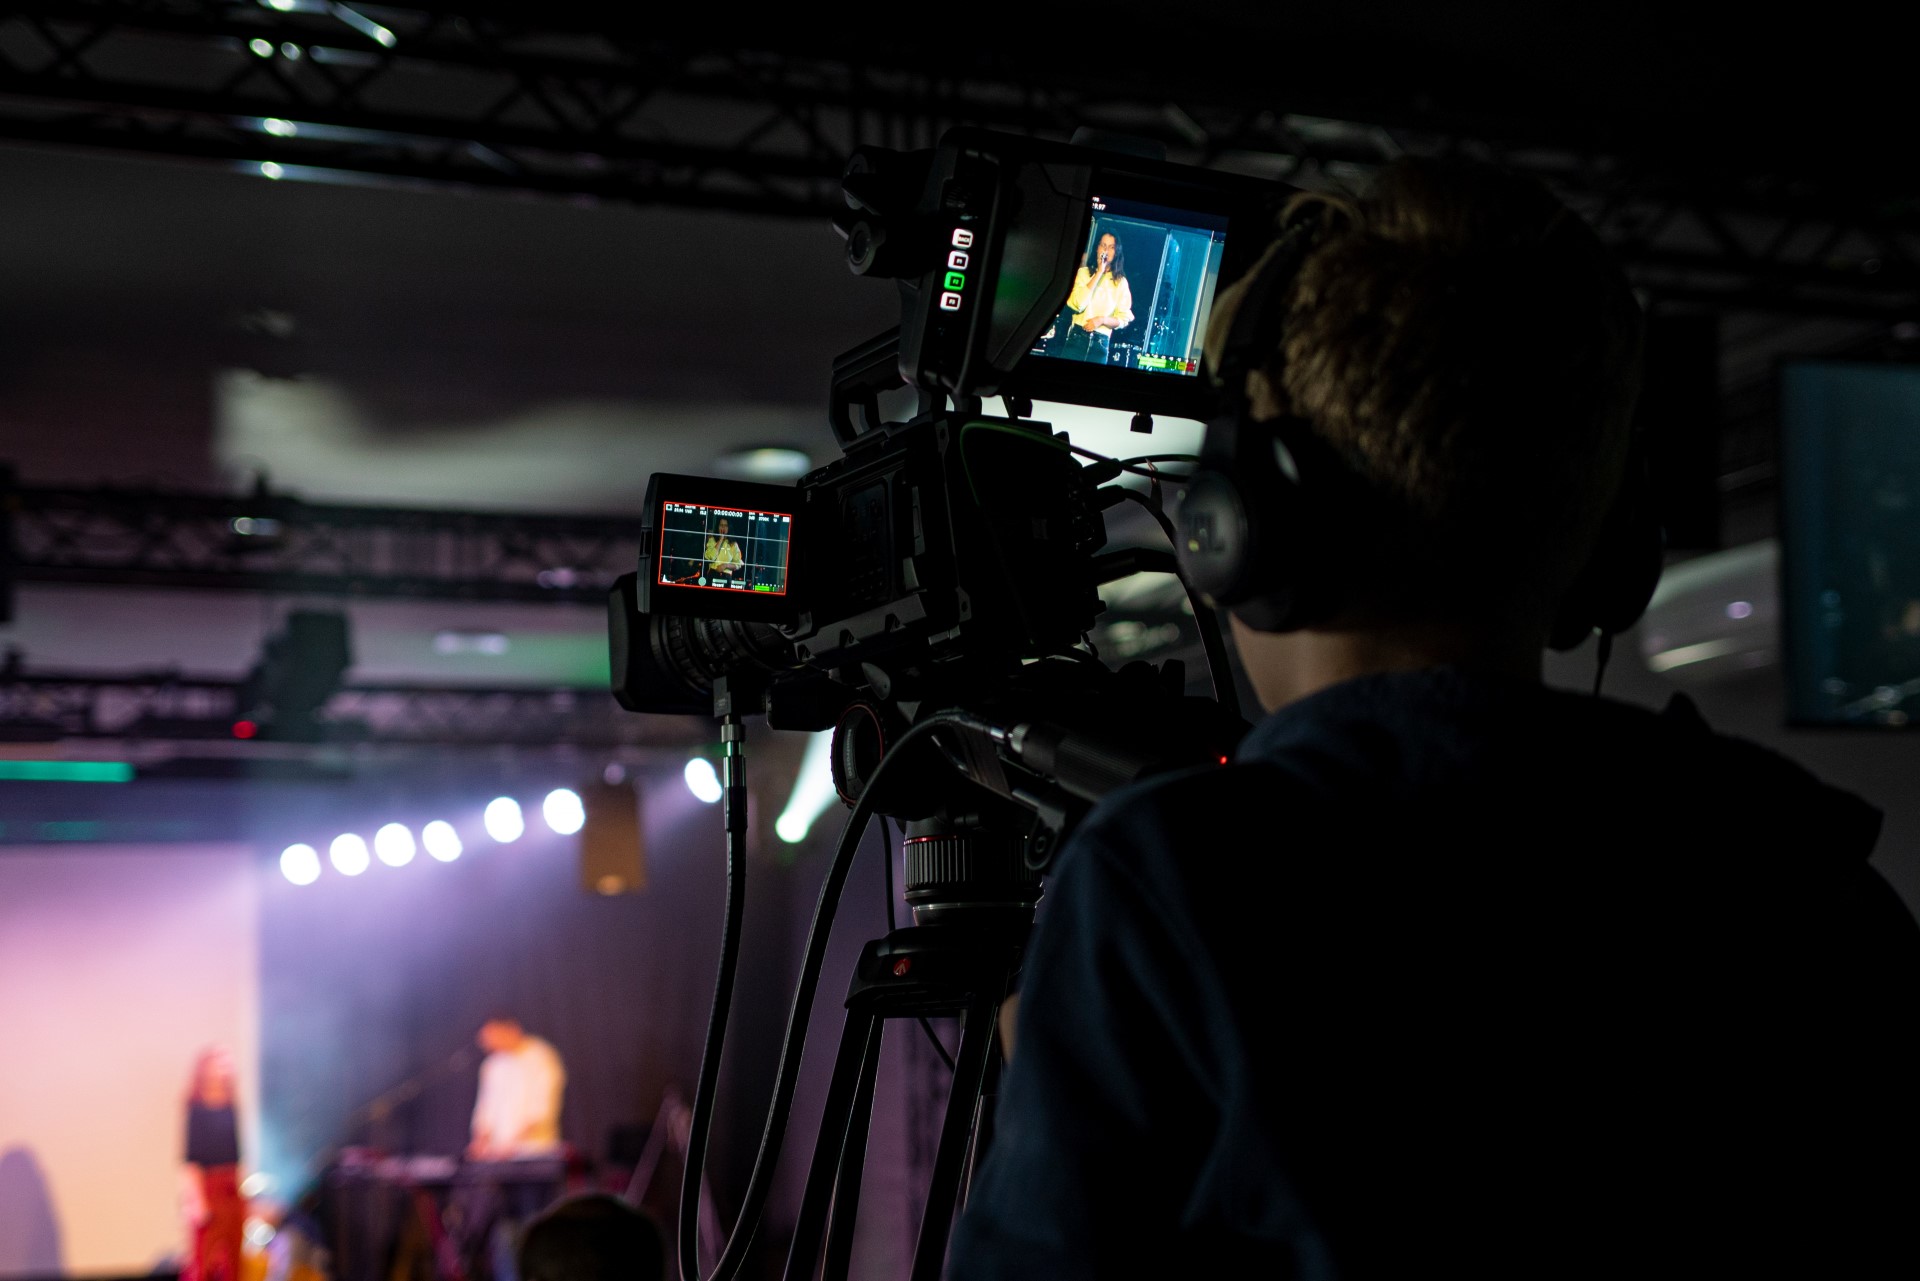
x,y
1451,973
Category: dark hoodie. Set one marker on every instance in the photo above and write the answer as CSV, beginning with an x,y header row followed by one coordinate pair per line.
x,y
1449,977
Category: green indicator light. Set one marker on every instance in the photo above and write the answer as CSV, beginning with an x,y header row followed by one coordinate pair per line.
x,y
66,771
956,280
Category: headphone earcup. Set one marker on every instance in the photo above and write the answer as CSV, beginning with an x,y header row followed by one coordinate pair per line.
x,y
1214,538
1245,525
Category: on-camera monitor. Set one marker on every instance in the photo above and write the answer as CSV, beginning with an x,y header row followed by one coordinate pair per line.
x,y
1850,532
730,549
1143,289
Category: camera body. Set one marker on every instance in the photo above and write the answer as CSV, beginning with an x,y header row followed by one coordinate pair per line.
x,y
967,534
938,556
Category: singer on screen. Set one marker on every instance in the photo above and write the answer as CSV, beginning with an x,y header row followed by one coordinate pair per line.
x,y
1100,303
723,554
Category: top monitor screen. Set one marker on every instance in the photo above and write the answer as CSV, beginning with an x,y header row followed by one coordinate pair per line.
x,y
724,548
1143,289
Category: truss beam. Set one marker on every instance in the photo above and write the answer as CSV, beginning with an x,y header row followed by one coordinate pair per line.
x,y
519,97
271,543
169,706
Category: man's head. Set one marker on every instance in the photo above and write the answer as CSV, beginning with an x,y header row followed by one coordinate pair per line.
x,y
500,1033
1466,346
594,1237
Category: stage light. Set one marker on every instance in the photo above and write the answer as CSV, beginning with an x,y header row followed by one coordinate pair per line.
x,y
348,854
272,169
563,811
300,864
702,781
394,844
503,820
441,840
813,791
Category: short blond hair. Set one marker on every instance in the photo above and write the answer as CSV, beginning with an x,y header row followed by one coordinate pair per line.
x,y
1468,346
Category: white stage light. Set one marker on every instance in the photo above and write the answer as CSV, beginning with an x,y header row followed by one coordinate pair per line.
x,y
702,781
441,840
813,791
349,854
563,811
394,844
300,864
503,820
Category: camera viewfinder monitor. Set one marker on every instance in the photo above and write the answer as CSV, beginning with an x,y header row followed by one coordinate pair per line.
x,y
718,549
1142,291
1850,541
1146,266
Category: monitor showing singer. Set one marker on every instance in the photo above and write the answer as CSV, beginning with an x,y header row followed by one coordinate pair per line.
x,y
521,1083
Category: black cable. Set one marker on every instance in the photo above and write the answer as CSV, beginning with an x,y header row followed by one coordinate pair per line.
x,y
1212,643
1601,659
702,1118
939,1046
886,847
787,1074
1161,458
1135,465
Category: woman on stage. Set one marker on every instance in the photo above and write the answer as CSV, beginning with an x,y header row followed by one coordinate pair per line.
x,y
210,1194
1101,302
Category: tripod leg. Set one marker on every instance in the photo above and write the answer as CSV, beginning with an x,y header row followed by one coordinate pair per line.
x,y
859,1042
853,1164
969,1074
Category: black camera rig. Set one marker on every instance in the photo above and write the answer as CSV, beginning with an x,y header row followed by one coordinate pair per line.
x,y
927,597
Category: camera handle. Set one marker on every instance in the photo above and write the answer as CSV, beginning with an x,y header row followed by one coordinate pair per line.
x,y
912,973
860,376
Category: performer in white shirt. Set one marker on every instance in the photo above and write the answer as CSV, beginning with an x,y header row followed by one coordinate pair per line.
x,y
521,1082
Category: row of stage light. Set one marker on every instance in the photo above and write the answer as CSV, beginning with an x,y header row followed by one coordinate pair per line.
x,y
395,844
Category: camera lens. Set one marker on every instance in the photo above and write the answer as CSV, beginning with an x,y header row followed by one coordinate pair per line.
x,y
971,876
700,650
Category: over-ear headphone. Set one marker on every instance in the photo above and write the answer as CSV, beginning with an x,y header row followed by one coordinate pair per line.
x,y
1275,523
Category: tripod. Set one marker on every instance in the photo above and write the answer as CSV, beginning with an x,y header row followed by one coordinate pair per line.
x,y
912,973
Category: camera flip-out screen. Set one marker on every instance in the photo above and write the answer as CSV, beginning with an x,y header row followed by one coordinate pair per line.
x,y
719,549
1143,288
729,549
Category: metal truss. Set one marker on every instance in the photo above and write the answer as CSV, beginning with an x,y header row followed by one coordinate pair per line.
x,y
535,98
166,705
270,543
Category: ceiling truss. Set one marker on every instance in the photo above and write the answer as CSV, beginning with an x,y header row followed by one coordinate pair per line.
x,y
410,92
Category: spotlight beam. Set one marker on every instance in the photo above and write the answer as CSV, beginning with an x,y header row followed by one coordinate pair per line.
x,y
813,791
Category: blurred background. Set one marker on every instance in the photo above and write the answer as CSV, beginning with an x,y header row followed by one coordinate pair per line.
x,y
337,343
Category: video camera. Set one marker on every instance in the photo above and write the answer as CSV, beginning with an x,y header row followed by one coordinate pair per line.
x,y
929,597
939,555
